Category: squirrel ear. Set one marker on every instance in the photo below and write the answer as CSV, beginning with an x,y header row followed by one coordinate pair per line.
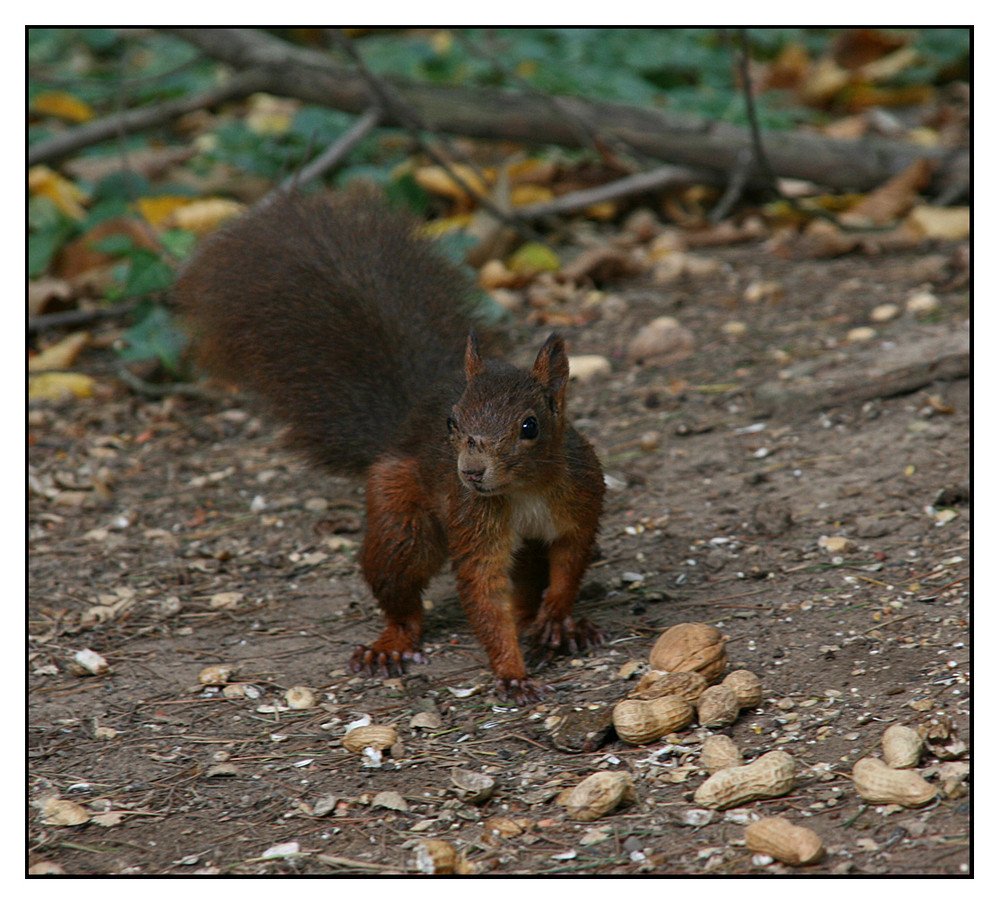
x,y
551,368
473,360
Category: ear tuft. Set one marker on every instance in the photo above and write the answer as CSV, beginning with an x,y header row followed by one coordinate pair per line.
x,y
551,368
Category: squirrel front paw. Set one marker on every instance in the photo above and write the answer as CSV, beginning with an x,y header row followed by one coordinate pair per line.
x,y
372,661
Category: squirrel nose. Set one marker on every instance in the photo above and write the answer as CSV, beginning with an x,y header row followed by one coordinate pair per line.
x,y
474,474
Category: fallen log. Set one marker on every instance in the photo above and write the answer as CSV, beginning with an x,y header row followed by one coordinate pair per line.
x,y
315,77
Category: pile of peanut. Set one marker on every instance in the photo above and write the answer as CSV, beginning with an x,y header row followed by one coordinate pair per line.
x,y
683,684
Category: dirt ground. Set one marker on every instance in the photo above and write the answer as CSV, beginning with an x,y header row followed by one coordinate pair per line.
x,y
177,534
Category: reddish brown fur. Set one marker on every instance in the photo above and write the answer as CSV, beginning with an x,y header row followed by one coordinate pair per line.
x,y
346,325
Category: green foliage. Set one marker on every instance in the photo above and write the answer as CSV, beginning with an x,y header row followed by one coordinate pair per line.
x,y
687,70
48,230
155,335
108,66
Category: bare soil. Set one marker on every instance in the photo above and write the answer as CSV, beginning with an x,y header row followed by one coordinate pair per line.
x,y
143,512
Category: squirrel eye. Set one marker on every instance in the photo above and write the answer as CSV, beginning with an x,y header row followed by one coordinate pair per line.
x,y
529,429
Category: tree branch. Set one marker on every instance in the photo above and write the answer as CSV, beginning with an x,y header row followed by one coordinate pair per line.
x,y
518,116
142,118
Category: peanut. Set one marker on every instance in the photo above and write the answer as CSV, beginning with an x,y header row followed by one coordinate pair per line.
x,y
638,722
719,752
599,794
657,684
769,776
373,736
747,687
783,840
878,783
901,746
718,706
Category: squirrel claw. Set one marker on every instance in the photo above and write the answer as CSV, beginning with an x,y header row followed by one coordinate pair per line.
x,y
567,635
521,691
369,662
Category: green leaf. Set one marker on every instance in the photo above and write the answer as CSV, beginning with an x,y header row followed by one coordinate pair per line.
x,y
179,242
156,336
147,274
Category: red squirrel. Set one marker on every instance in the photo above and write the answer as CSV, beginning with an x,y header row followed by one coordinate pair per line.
x,y
351,328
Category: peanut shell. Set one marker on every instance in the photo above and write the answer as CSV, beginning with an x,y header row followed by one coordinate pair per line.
x,y
657,684
783,840
769,776
638,722
747,687
901,746
690,647
719,752
435,856
878,783
298,697
718,706
597,795
373,736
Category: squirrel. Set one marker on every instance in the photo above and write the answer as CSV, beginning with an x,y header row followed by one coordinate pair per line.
x,y
356,332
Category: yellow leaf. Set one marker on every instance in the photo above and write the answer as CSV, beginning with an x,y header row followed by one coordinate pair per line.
x,y
66,195
445,225
56,385
158,208
533,257
62,105
442,43
205,215
439,181
530,194
269,115
603,210
61,354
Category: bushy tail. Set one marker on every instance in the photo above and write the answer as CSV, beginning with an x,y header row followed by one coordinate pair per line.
x,y
335,313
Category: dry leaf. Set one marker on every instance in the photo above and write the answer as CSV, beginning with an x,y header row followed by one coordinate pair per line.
x,y
391,800
59,812
60,355
108,818
205,215
439,181
62,105
45,291
521,195
81,255
891,200
602,264
225,600
532,258
67,196
157,209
